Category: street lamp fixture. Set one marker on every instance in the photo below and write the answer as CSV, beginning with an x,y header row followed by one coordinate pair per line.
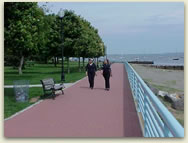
x,y
61,14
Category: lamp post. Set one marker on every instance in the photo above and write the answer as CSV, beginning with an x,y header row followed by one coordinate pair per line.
x,y
61,15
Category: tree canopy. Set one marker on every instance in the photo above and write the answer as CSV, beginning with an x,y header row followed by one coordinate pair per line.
x,y
31,33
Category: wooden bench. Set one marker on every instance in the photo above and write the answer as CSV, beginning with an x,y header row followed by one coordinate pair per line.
x,y
49,85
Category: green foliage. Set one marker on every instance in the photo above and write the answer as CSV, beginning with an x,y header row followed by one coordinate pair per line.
x,y
21,28
31,32
22,21
89,43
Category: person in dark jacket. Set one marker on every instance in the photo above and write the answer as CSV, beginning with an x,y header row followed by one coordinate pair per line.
x,y
91,72
106,73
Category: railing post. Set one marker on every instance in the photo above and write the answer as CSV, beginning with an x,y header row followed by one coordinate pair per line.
x,y
131,79
136,94
145,117
133,85
166,131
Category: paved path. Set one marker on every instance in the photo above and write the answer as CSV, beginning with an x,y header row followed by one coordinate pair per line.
x,y
82,112
39,85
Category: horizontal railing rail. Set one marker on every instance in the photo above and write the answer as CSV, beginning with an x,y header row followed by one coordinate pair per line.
x,y
158,121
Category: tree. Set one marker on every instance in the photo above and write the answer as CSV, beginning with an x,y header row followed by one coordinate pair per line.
x,y
32,33
89,44
54,39
71,32
21,31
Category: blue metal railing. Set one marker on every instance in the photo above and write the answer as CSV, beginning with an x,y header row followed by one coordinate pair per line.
x,y
157,120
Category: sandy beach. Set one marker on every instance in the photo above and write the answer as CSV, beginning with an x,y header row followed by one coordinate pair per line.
x,y
163,79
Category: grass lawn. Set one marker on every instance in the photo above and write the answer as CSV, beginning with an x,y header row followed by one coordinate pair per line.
x,y
10,104
41,71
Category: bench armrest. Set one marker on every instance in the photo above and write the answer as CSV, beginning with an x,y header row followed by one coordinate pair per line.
x,y
61,84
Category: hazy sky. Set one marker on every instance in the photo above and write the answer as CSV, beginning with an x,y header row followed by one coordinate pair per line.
x,y
133,28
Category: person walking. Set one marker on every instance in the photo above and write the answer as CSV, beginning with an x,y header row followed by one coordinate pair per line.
x,y
107,72
91,72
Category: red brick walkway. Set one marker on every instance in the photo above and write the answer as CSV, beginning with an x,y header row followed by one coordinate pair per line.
x,y
82,112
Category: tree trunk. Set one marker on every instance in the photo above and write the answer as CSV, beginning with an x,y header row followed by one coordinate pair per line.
x,y
68,68
97,63
55,62
21,64
83,61
79,64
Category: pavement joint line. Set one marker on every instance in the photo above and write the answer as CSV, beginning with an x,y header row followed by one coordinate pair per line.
x,y
27,108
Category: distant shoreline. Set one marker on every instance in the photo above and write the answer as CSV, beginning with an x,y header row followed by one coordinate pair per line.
x,y
161,66
169,67
166,59
150,53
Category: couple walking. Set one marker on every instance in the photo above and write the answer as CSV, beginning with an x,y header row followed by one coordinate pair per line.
x,y
106,72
